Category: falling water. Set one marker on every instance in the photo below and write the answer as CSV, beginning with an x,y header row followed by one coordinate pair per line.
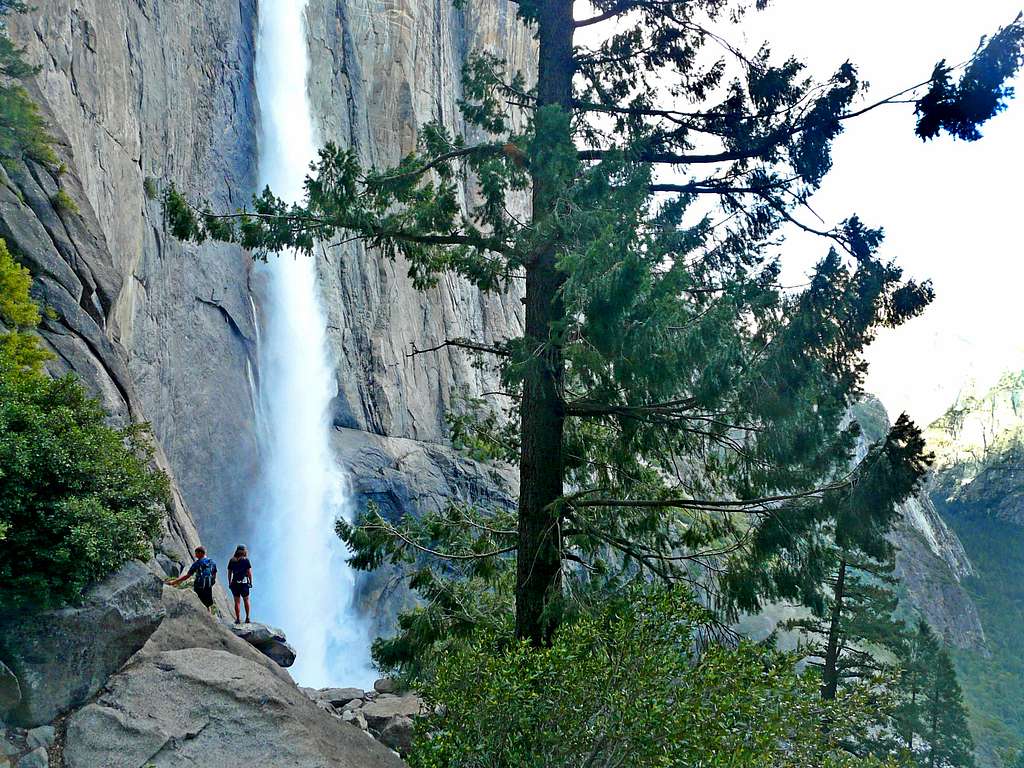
x,y
302,583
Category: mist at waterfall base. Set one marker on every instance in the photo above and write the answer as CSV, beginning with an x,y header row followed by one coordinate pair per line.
x,y
301,581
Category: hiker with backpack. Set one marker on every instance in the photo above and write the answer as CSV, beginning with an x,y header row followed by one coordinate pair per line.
x,y
240,580
205,571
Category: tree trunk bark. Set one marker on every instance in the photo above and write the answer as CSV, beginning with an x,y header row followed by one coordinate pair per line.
x,y
539,565
830,673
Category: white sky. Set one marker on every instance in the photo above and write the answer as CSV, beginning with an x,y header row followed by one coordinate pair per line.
x,y
951,210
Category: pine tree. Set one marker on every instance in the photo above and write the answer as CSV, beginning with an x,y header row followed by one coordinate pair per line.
x,y
858,627
931,718
857,624
676,410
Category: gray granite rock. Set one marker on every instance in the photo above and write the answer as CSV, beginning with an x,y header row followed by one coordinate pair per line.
x,y
249,716
37,758
63,657
397,733
40,736
268,640
340,697
387,706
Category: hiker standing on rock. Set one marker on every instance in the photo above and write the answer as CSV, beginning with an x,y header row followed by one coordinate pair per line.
x,y
240,580
205,571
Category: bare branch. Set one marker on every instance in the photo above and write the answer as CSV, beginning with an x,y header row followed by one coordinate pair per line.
x,y
461,344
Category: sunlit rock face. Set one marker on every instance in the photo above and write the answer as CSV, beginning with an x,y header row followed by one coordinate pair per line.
x,y
930,559
979,446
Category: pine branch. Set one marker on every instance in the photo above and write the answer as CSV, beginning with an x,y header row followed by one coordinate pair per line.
x,y
461,344
481,149
392,531
709,505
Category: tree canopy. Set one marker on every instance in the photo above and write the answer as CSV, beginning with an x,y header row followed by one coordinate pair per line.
x,y
676,412
77,497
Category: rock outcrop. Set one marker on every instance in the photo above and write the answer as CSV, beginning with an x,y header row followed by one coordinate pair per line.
x,y
194,694
385,713
61,658
212,708
269,641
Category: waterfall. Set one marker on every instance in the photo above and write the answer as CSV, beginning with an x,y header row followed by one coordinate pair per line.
x,y
301,581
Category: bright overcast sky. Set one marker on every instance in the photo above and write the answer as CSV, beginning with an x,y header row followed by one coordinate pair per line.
x,y
951,210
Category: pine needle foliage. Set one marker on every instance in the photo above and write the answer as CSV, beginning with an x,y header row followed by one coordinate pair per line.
x,y
679,413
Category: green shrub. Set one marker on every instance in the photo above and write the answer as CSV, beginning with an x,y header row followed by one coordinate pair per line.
x,y
62,201
624,687
77,498
22,128
150,187
19,315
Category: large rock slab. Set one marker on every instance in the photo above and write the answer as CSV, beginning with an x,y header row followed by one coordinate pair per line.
x,y
386,707
188,624
63,657
198,707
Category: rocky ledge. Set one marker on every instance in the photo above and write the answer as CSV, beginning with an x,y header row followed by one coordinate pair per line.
x,y
385,713
178,688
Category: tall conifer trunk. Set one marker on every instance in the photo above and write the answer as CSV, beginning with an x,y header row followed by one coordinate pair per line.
x,y
538,575
830,673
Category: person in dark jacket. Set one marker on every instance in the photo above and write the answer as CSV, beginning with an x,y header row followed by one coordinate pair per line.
x,y
240,580
205,571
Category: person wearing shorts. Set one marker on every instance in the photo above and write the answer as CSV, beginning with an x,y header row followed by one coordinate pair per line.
x,y
204,569
240,580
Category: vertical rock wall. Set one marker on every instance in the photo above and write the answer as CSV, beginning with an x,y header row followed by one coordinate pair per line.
x,y
137,90
379,70
142,92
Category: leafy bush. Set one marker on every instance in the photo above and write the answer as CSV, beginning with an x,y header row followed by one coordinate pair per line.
x,y
77,498
625,687
63,202
19,347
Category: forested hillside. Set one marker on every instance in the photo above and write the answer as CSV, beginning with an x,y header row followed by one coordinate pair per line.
x,y
979,490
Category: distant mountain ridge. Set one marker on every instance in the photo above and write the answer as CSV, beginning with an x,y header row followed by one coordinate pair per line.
x,y
979,448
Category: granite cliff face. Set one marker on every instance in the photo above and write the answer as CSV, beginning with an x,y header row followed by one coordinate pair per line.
x,y
136,91
140,93
930,560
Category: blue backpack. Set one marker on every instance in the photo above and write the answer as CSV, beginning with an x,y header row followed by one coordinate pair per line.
x,y
205,575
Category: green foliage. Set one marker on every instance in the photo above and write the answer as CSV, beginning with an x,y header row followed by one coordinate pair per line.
x,y
22,128
16,306
693,405
77,497
19,315
982,92
624,686
931,717
473,592
64,203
